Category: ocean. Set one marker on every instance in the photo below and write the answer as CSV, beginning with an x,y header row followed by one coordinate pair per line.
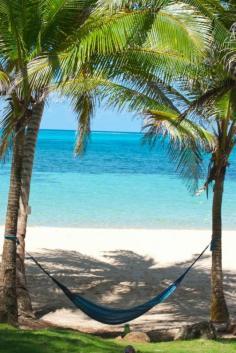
x,y
118,183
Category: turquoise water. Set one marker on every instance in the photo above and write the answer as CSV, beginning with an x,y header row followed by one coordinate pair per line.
x,y
118,183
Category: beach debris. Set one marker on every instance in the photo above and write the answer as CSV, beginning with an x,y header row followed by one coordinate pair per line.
x,y
221,327
164,335
202,329
129,349
231,327
138,337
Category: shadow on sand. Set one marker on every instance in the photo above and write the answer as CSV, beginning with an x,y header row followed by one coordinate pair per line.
x,y
122,280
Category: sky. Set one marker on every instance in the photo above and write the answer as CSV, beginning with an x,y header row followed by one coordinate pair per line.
x,y
58,115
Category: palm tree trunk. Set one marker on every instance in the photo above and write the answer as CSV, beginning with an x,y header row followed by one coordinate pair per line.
x,y
219,310
8,302
23,297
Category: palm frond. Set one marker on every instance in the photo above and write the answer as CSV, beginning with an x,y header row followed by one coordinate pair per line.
x,y
205,104
83,106
8,123
186,141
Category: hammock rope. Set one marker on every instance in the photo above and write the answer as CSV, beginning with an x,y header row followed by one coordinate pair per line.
x,y
114,316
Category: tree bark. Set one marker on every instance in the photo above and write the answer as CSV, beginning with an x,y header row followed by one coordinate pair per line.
x,y
8,299
24,301
219,310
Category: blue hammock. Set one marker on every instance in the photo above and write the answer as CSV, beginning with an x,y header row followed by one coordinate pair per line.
x,y
113,316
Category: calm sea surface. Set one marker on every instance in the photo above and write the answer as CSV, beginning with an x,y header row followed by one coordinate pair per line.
x,y
119,183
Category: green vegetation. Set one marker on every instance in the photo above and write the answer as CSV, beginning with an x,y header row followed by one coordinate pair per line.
x,y
58,341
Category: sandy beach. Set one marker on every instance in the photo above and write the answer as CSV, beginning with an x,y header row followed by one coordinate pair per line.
x,y
121,268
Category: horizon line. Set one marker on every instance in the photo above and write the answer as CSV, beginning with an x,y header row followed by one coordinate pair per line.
x,y
101,131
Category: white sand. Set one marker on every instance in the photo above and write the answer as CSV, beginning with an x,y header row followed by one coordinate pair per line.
x,y
122,268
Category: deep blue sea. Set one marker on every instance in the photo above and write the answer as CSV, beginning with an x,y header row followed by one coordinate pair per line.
x,y
118,183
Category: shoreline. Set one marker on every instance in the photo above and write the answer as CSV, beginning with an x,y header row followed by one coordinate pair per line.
x,y
148,242
121,268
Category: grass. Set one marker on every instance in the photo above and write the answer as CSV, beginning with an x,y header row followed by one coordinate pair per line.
x,y
65,341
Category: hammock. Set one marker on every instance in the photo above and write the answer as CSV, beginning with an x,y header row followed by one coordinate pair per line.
x,y
113,316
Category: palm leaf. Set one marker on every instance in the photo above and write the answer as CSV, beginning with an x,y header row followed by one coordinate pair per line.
x,y
185,143
84,107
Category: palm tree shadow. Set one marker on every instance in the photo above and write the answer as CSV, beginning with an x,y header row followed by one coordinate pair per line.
x,y
122,280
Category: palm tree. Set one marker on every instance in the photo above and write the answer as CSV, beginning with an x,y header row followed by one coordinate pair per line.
x,y
30,139
194,119
9,249
28,29
17,113
213,111
223,127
